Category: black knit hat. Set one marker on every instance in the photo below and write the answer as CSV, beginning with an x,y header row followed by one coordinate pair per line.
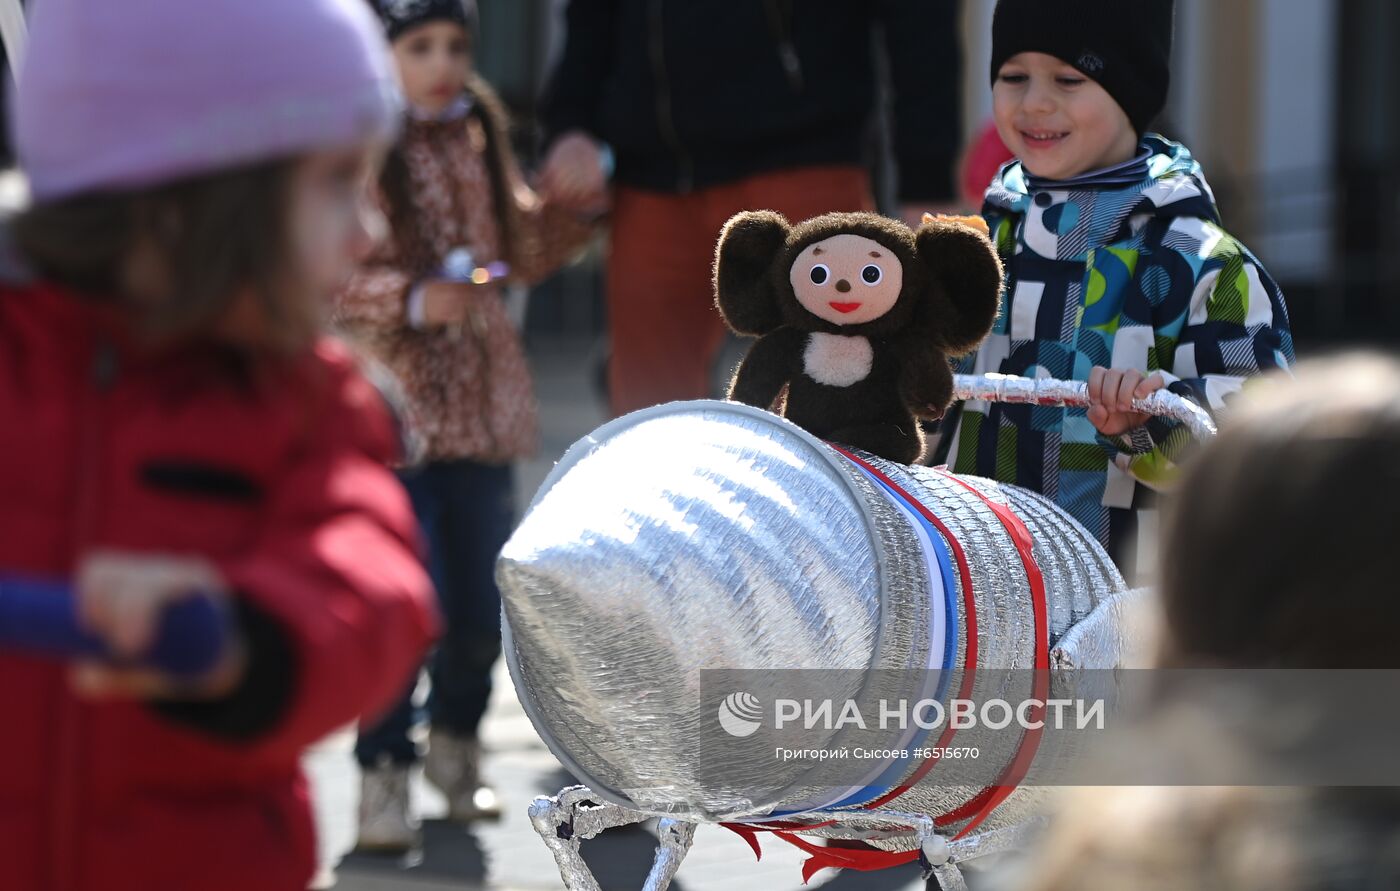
x,y
1125,45
399,16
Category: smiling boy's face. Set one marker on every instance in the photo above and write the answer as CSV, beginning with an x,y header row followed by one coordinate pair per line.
x,y
1059,122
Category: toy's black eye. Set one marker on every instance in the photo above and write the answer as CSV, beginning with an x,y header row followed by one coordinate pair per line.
x,y
871,274
820,273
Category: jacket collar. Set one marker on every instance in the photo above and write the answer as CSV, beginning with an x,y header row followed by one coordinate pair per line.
x,y
1174,186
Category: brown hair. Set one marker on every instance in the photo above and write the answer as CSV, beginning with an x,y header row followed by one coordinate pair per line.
x,y
488,109
1278,541
1217,838
180,254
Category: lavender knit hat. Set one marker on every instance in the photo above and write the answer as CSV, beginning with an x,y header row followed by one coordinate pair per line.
x,y
122,95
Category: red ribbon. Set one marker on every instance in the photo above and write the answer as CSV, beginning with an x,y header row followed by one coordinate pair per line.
x,y
987,800
845,858
969,606
981,805
823,857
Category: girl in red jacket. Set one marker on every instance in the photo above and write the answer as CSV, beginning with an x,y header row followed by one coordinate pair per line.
x,y
170,421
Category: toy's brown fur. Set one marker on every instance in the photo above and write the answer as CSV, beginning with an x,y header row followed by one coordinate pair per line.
x,y
949,299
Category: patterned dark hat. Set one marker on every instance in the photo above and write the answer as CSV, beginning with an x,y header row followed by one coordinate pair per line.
x,y
399,16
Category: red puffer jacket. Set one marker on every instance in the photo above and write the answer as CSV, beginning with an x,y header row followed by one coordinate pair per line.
x,y
278,476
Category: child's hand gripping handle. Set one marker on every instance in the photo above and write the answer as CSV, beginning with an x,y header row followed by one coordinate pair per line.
x,y
41,617
1049,392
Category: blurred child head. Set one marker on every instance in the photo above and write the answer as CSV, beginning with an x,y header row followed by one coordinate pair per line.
x,y
1075,83
202,163
1278,543
432,43
1277,555
1217,838
432,46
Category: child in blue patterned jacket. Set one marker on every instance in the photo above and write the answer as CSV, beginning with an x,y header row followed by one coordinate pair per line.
x,y
1118,272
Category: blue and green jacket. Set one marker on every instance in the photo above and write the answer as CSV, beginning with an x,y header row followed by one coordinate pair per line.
x,y
1137,276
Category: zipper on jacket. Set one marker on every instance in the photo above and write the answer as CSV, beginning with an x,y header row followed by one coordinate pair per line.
x,y
665,119
67,797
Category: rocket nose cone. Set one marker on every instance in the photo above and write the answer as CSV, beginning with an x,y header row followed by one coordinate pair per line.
x,y
670,542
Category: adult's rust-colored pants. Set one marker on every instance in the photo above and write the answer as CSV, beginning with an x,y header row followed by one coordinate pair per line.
x,y
664,327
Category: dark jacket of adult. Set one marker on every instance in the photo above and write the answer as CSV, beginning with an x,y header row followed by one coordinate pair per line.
x,y
696,93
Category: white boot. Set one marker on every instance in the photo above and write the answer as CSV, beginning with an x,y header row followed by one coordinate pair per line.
x,y
385,821
454,766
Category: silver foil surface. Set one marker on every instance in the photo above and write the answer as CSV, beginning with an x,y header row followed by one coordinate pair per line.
x,y
715,535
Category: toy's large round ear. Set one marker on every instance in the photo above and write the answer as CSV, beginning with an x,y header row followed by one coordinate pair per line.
x,y
966,291
744,283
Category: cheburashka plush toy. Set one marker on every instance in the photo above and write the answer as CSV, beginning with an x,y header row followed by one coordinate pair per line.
x,y
857,315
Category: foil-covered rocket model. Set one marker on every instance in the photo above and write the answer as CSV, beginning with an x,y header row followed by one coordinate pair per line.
x,y
711,535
